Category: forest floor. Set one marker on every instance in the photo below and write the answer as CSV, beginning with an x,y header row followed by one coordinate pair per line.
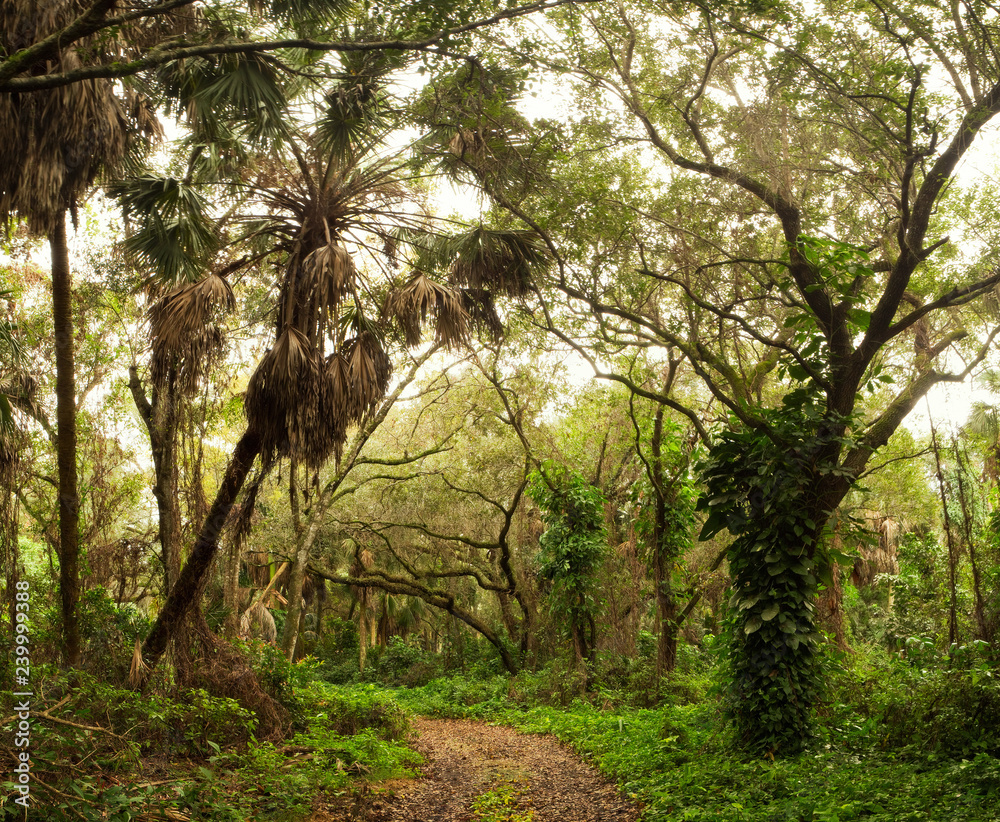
x,y
475,771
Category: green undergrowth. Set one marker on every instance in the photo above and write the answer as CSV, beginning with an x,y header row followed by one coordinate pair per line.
x,y
129,757
501,803
897,740
350,734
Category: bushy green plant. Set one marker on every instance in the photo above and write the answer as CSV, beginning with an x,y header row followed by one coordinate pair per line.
x,y
402,663
209,722
348,710
571,547
109,632
459,696
556,683
279,676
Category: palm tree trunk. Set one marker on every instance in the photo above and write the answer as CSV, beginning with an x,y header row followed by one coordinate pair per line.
x,y
185,591
69,498
163,437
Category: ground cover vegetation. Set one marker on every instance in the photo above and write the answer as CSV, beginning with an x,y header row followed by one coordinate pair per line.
x,y
299,437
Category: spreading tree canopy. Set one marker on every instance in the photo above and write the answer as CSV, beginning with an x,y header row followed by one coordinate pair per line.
x,y
769,196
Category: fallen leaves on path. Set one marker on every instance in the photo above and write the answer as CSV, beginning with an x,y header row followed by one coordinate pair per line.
x,y
466,759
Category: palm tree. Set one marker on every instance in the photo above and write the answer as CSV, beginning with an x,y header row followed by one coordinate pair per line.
x,y
338,219
327,367
55,145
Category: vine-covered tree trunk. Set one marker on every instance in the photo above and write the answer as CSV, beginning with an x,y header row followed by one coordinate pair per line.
x,y
664,556
769,487
773,651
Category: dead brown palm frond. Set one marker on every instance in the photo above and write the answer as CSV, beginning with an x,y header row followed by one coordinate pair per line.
x,y
482,311
420,297
185,336
257,567
331,271
370,369
138,669
338,370
320,282
57,142
878,557
257,622
290,403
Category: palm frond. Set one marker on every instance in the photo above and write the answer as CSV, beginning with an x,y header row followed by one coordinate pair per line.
x,y
984,421
501,261
138,667
173,234
479,305
352,319
352,114
370,368
357,110
56,143
213,92
327,276
185,335
290,402
421,297
299,13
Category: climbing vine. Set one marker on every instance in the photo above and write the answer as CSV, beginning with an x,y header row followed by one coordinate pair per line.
x,y
571,547
760,486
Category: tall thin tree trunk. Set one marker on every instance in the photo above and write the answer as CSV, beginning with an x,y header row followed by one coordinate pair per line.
x,y
183,594
952,548
293,616
165,486
163,437
231,589
362,630
160,418
69,498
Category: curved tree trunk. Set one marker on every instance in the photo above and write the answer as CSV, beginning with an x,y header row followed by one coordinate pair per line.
x,y
437,599
185,591
69,498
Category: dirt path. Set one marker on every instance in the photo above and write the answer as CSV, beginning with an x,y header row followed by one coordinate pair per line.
x,y
521,777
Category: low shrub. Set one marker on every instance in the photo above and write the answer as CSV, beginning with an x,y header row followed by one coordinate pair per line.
x,y
405,664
